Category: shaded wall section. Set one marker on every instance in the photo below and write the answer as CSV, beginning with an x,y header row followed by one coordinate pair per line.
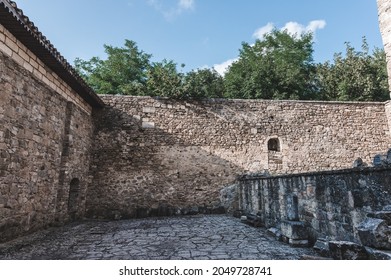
x,y
332,204
45,140
154,154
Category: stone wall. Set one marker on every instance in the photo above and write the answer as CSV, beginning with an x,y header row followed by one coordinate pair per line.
x,y
156,156
162,156
11,47
45,139
331,204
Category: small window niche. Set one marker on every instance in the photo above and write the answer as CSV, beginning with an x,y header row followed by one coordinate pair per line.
x,y
273,145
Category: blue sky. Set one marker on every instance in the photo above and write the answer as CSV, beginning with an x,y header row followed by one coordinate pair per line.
x,y
199,33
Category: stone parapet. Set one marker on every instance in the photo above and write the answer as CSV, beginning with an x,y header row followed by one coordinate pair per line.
x,y
334,205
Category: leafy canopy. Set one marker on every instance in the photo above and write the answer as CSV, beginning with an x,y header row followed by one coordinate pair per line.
x,y
129,71
280,66
357,75
123,72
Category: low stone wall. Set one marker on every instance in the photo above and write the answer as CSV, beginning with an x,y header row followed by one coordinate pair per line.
x,y
331,204
154,154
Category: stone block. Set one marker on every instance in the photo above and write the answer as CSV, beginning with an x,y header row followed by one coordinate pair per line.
x,y
6,49
148,125
254,220
374,254
387,208
298,242
345,250
375,233
322,247
383,215
275,232
294,230
149,110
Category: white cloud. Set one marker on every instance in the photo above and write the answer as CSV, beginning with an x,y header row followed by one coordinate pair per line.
x,y
222,68
186,4
156,4
172,12
298,29
292,27
260,32
315,25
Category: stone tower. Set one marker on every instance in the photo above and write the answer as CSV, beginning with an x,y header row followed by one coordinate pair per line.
x,y
384,9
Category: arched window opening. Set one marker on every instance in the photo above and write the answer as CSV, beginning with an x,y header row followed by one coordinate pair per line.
x,y
275,156
274,145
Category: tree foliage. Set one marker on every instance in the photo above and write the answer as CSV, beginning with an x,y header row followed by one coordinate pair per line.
x,y
203,83
356,76
129,71
123,72
163,79
280,66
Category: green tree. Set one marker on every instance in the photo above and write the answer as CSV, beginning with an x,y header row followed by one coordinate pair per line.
x,y
203,83
123,72
280,66
163,79
356,76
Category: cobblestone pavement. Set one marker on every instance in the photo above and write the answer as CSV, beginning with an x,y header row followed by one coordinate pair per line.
x,y
213,237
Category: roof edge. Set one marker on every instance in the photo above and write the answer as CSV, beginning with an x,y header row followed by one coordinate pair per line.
x,y
13,19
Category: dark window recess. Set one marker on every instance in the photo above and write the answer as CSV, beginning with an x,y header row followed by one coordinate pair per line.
x,y
274,145
74,190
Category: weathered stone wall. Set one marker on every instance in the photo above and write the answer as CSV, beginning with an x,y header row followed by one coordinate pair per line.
x,y
11,47
332,204
158,153
384,10
45,139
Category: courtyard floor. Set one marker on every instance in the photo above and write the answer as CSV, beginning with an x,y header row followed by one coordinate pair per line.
x,y
214,237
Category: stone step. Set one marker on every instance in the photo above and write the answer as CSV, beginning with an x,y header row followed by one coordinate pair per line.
x,y
253,220
345,250
375,254
294,230
375,233
309,257
275,232
322,247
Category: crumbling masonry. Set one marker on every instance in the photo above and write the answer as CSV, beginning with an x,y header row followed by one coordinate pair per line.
x,y
66,153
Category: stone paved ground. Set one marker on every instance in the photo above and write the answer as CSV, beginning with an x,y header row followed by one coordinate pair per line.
x,y
213,237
